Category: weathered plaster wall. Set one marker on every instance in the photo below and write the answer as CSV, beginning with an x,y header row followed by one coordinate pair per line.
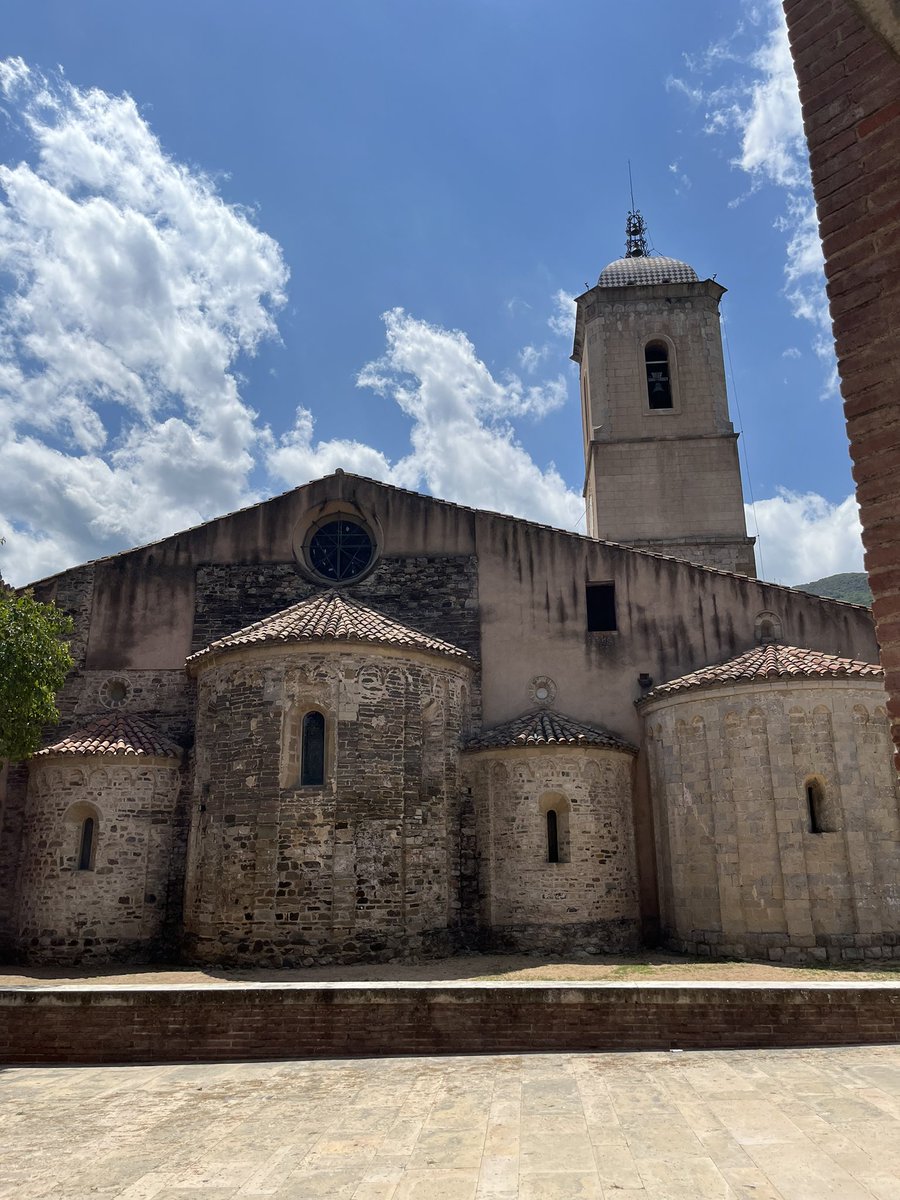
x,y
741,870
117,908
144,600
672,619
587,900
516,587
365,866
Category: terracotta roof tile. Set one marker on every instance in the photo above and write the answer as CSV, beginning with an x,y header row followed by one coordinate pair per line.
x,y
331,617
770,661
545,728
119,735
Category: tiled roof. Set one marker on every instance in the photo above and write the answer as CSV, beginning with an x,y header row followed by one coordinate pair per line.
x,y
646,270
770,661
331,617
545,728
119,735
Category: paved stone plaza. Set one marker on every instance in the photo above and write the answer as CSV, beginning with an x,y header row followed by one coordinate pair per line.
x,y
794,1124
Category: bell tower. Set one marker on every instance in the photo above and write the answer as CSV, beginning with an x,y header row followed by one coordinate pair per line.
x,y
660,452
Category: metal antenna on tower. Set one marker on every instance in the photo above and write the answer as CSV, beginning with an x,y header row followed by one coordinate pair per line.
x,y
635,229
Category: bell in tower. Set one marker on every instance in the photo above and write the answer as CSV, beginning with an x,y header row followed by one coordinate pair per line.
x,y
661,461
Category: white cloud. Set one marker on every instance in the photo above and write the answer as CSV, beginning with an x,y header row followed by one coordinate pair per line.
x,y
770,121
562,319
133,288
762,111
532,356
805,537
462,445
132,291
681,178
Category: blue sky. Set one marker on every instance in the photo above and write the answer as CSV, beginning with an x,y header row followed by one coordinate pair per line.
x,y
242,245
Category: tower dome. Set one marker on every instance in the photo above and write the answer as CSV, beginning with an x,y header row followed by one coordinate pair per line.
x,y
641,269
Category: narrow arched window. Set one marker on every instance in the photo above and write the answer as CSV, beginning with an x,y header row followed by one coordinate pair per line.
x,y
86,845
312,749
815,802
552,836
659,383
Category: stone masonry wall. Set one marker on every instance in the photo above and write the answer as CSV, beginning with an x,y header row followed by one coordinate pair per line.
x,y
664,473
742,873
587,900
723,555
438,595
366,866
115,909
73,594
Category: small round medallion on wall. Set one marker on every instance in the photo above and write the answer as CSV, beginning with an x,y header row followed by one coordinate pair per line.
x,y
114,692
542,690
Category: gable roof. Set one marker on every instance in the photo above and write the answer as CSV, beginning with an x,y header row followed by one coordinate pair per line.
x,y
339,473
545,728
770,661
331,616
117,734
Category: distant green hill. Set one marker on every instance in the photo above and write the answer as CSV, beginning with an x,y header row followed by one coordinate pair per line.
x,y
852,586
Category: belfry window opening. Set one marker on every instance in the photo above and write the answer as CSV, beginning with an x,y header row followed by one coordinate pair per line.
x,y
659,384
312,750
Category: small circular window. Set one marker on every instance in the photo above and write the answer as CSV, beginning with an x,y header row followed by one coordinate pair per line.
x,y
114,692
340,550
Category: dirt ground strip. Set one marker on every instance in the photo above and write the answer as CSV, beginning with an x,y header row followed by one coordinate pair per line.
x,y
518,968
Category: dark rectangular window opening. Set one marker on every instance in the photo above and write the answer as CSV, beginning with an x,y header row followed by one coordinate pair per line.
x,y
601,607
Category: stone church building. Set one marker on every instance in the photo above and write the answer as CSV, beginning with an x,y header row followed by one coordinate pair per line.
x,y
354,723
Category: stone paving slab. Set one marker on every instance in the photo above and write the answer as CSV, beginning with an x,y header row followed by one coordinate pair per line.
x,y
804,1124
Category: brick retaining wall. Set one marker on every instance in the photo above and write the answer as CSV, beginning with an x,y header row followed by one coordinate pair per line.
x,y
222,1023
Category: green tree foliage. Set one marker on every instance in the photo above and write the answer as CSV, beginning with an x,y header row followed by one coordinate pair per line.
x,y
852,586
34,662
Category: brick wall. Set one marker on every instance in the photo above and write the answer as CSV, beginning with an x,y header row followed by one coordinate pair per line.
x,y
850,90
232,1023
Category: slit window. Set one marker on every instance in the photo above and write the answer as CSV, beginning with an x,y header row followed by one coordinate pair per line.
x,y
659,384
815,802
601,607
86,845
312,750
552,836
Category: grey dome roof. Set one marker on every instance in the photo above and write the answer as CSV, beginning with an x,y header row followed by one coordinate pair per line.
x,y
656,269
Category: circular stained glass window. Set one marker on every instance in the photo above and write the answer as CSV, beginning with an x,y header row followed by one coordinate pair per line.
x,y
340,550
